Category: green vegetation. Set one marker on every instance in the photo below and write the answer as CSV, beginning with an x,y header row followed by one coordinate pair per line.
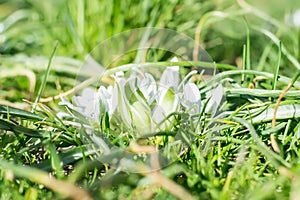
x,y
243,154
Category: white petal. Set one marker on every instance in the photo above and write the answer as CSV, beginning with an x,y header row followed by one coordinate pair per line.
x,y
86,103
62,115
123,103
104,96
119,74
64,102
170,76
295,21
215,100
192,97
148,87
158,114
174,59
141,117
167,104
88,95
191,92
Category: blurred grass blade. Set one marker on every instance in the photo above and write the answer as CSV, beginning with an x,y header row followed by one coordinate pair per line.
x,y
243,65
207,85
65,188
18,113
67,157
276,40
15,17
17,71
248,53
143,43
56,163
4,125
276,71
236,92
43,85
288,111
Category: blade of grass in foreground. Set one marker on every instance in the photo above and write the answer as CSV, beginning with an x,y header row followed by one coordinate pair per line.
x,y
18,113
64,188
4,125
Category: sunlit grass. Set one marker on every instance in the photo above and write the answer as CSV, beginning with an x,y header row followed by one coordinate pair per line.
x,y
232,157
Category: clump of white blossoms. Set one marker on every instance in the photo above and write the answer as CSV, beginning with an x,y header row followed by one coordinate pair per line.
x,y
139,102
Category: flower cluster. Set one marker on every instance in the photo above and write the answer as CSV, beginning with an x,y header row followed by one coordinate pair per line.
x,y
139,102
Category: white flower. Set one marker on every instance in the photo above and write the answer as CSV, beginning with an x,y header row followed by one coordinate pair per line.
x,y
85,105
139,102
85,101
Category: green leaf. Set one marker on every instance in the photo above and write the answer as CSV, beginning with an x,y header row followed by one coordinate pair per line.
x,y
56,163
42,178
67,157
4,125
18,113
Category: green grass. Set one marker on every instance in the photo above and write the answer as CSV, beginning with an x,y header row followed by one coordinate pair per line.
x,y
255,50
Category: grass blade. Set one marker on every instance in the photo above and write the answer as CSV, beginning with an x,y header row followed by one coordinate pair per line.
x,y
276,71
43,85
65,188
4,125
19,113
275,159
